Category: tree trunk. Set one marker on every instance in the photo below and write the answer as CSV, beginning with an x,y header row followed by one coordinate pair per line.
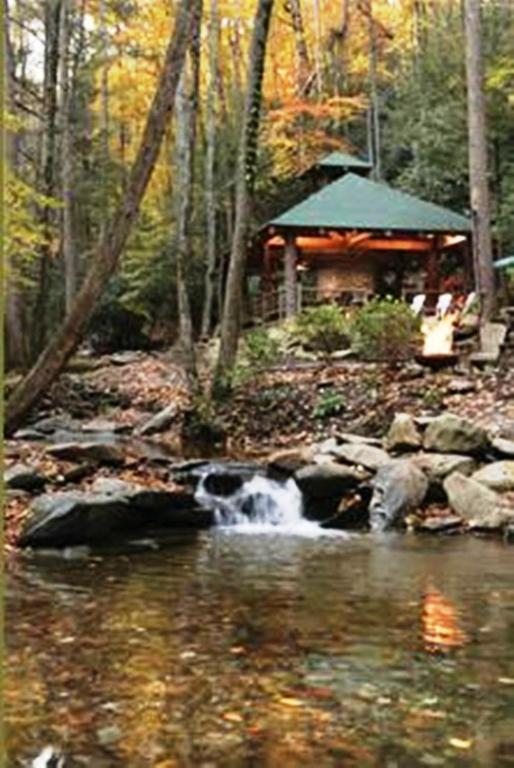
x,y
210,160
302,54
375,109
67,242
230,325
318,54
187,112
479,188
104,112
16,350
53,10
104,263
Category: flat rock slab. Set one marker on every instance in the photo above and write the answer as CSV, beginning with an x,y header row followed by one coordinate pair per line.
x,y
367,456
103,453
160,421
441,524
499,476
452,434
112,510
290,461
23,478
437,466
349,437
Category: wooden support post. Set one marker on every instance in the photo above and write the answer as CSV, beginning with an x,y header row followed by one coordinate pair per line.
x,y
432,274
290,279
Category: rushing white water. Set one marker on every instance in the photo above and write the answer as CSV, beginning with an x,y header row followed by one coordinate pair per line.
x,y
261,505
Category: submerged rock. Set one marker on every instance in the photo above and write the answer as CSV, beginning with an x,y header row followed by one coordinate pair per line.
x,y
452,434
403,434
499,476
481,507
398,488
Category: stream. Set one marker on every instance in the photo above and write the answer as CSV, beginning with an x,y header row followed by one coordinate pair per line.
x,y
236,648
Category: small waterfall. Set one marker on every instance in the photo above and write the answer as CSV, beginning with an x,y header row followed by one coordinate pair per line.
x,y
257,505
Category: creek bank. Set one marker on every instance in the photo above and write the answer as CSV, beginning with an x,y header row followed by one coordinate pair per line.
x,y
112,485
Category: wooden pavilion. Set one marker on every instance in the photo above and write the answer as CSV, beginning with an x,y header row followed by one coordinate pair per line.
x,y
354,238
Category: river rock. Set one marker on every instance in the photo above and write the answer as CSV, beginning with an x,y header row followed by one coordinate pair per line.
x,y
112,510
504,447
403,434
452,434
103,453
23,478
499,476
367,456
51,424
443,524
481,507
437,466
349,437
398,488
102,425
328,479
160,421
290,461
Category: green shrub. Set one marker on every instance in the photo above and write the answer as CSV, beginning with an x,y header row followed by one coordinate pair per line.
x,y
384,329
322,328
261,349
330,403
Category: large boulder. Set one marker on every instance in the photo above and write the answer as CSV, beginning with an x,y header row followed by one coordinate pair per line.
x,y
290,460
499,476
21,477
481,507
452,434
398,488
112,510
403,435
328,479
367,456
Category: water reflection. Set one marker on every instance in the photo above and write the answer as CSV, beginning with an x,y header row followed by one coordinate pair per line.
x,y
234,650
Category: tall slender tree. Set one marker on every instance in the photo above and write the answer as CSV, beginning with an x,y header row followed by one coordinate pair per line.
x,y
477,144
246,167
105,260
210,167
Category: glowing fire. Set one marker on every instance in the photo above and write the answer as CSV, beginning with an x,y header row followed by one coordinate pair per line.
x,y
440,622
438,335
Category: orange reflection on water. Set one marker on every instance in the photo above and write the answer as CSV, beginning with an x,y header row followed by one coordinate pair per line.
x,y
440,622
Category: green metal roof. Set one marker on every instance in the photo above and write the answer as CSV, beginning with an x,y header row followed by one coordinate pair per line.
x,y
353,202
343,160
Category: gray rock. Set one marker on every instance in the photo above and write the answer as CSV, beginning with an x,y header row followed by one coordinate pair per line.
x,y
290,461
52,424
403,434
366,455
127,357
160,421
398,488
441,524
451,434
460,386
328,479
112,510
103,453
499,476
102,425
481,507
23,478
437,466
349,437
504,447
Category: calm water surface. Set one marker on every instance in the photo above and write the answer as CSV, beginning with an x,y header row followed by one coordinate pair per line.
x,y
231,650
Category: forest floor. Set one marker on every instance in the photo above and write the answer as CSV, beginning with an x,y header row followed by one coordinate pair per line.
x,y
286,407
